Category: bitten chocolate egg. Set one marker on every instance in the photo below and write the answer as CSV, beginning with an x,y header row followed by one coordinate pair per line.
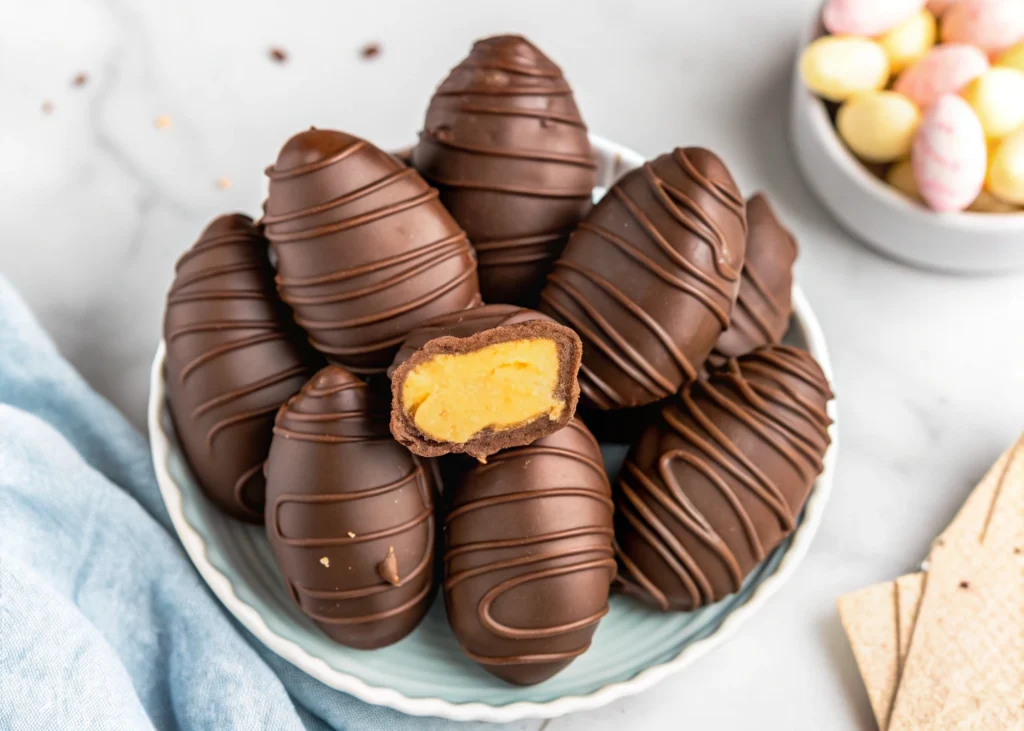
x,y
709,490
350,513
484,379
528,555
764,306
650,276
365,251
508,149
233,357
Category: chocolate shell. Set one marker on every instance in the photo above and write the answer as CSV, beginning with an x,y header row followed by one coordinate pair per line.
x,y
470,331
233,357
350,513
650,277
763,308
528,556
365,251
508,149
712,488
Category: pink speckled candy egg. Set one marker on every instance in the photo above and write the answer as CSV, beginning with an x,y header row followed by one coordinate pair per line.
x,y
867,17
945,70
991,25
949,155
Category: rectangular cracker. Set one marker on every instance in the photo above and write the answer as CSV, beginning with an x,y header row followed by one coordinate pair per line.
x,y
965,669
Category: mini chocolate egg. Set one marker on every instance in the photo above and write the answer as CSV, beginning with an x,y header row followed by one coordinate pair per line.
x,y
836,68
901,177
878,126
949,155
867,17
991,25
1014,58
946,69
1006,171
910,41
997,97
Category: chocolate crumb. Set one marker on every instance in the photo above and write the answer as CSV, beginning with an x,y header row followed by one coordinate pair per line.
x,y
965,585
278,55
223,183
1016,551
370,51
47,107
80,79
326,562
388,568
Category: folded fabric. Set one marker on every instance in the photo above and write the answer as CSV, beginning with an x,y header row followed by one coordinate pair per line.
x,y
104,623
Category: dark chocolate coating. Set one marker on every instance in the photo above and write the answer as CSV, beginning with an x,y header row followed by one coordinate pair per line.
x,y
649,278
350,513
233,357
763,308
365,251
469,330
528,556
508,149
717,483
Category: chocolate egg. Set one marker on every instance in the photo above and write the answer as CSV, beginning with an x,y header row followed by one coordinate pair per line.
x,y
233,357
508,149
365,251
650,276
350,513
718,482
528,555
764,306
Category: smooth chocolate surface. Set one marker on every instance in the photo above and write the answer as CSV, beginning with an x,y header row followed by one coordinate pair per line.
x,y
365,251
350,513
528,555
650,276
718,482
233,357
764,305
470,330
505,144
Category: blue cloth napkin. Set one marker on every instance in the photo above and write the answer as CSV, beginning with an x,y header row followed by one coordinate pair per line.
x,y
104,623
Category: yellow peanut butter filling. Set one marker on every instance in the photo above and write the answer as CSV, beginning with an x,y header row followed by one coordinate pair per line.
x,y
452,397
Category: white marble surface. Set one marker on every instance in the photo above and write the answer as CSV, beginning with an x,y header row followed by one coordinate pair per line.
x,y
97,203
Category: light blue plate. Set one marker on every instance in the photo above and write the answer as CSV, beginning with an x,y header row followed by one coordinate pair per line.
x,y
426,673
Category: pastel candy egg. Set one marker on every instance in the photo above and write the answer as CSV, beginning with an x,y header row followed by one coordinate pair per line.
x,y
837,67
988,203
901,177
867,17
997,97
991,25
909,41
1014,58
944,70
948,155
1006,172
878,126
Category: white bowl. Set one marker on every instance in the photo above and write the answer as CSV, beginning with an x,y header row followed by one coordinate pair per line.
x,y
426,673
963,243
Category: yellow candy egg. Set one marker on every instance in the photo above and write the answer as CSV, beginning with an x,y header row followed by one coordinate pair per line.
x,y
878,126
997,97
988,203
909,41
1005,177
1014,58
837,67
901,177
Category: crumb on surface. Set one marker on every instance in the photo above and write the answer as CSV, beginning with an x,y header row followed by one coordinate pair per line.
x,y
278,55
351,534
47,107
162,122
326,561
80,79
223,183
370,50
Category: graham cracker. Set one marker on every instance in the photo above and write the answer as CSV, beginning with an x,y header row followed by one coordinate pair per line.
x,y
908,601
869,620
965,668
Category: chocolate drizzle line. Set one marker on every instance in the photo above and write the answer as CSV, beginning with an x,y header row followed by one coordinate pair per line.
x,y
221,283
689,278
543,550
779,395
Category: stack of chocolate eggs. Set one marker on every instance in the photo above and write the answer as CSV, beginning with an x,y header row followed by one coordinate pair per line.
x,y
403,380
929,95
